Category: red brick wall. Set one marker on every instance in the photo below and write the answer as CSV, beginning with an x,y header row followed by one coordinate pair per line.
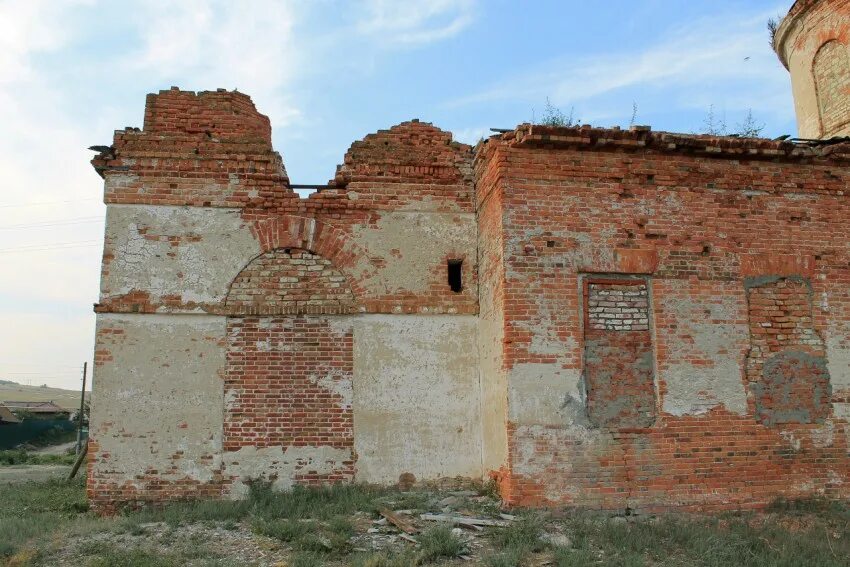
x,y
618,355
290,281
491,328
286,385
831,69
212,149
697,216
786,366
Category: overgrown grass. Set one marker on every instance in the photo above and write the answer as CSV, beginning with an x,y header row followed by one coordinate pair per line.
x,y
404,558
515,542
324,538
747,540
438,542
21,457
33,510
317,525
102,554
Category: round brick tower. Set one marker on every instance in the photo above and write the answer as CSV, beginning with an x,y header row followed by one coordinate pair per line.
x,y
813,42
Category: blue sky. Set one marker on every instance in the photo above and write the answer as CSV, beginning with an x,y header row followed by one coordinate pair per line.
x,y
326,72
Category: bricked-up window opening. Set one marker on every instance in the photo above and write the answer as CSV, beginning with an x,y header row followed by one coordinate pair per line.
x,y
786,366
831,68
455,275
618,354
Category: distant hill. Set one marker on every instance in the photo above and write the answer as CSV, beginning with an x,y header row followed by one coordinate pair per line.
x,y
14,392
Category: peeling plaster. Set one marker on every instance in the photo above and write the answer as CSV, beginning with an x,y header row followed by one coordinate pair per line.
x,y
413,243
544,394
196,254
160,395
338,384
838,356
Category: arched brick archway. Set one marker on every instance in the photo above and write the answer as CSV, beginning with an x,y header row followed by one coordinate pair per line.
x,y
318,238
288,379
290,281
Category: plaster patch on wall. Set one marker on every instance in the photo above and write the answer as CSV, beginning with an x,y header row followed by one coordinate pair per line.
x,y
824,435
707,344
838,356
583,445
411,244
543,394
582,252
416,397
337,383
157,403
427,203
793,440
794,388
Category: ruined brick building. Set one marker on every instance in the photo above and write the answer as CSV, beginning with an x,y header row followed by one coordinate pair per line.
x,y
592,317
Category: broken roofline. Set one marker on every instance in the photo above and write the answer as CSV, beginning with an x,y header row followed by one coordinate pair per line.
x,y
642,138
184,126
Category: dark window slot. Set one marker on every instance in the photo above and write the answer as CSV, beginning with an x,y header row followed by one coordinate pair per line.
x,y
455,275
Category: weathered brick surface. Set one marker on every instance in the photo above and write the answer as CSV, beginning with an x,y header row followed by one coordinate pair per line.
x,y
700,217
663,318
290,281
618,355
213,149
786,366
288,383
813,42
615,306
831,68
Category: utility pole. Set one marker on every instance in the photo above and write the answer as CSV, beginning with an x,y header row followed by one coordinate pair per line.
x,y
82,409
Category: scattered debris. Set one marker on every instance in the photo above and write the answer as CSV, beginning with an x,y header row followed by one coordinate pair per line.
x,y
401,523
464,520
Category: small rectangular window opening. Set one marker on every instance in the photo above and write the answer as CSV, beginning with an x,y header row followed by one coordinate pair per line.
x,y
455,278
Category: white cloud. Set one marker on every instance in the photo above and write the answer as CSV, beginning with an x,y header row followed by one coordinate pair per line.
x,y
46,288
697,64
203,45
27,27
412,23
44,159
471,136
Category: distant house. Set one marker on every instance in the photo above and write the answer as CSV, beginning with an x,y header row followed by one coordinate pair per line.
x,y
6,416
38,410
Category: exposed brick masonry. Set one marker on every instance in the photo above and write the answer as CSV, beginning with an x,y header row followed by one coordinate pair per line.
x,y
698,216
618,356
786,366
831,68
613,307
290,281
286,383
656,308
